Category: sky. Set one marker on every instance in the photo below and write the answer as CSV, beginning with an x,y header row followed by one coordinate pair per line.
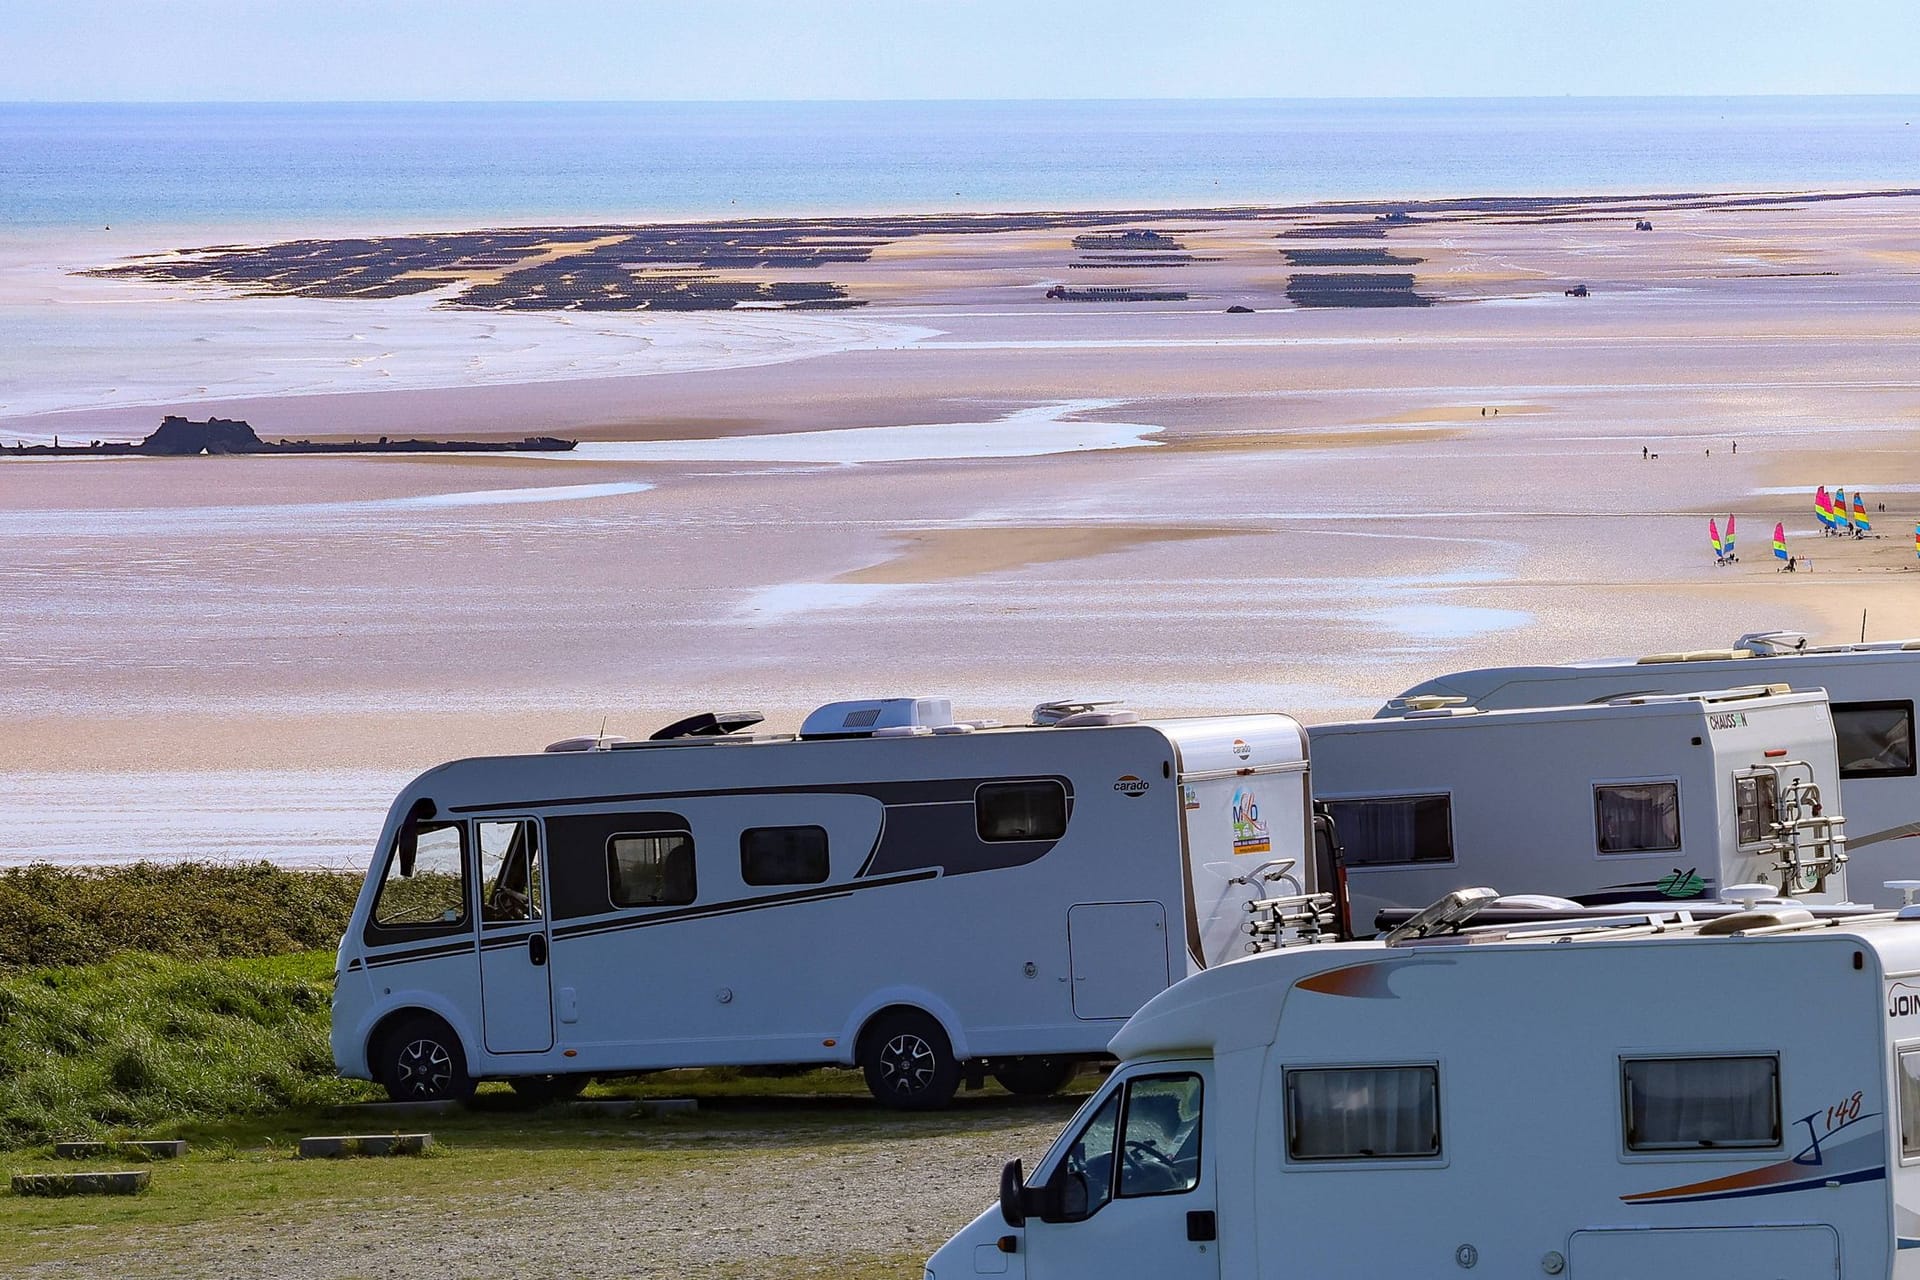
x,y
626,50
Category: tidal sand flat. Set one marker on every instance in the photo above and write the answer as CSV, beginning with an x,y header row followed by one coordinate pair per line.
x,y
989,494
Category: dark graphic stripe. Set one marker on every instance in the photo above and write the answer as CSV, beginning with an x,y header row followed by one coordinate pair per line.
x,y
421,953
737,906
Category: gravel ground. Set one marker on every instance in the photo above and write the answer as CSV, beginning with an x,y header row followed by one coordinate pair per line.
x,y
867,1197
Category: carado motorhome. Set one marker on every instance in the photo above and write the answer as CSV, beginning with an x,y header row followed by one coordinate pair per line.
x,y
923,898
1872,688
1661,796
1650,1099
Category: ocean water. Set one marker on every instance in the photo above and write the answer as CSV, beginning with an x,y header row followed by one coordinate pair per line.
x,y
290,165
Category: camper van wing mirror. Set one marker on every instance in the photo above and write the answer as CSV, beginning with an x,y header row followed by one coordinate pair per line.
x,y
1013,1194
409,838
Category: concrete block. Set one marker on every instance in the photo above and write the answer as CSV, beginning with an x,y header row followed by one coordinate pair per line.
x,y
636,1107
121,1183
365,1144
152,1149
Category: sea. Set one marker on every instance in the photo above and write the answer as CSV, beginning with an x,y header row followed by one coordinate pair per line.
x,y
305,165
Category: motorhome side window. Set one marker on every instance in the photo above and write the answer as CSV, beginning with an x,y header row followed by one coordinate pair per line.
x,y
1874,739
1393,831
1363,1113
783,855
1636,817
1756,806
1021,810
651,869
1910,1104
509,871
1685,1104
426,881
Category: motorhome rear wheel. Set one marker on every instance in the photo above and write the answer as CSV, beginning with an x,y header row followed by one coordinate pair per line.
x,y
1036,1077
420,1060
909,1061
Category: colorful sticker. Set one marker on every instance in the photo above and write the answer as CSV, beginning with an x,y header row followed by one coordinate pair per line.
x,y
1190,797
1130,786
1249,832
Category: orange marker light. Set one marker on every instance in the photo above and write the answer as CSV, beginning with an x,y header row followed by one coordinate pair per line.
x,y
1774,753
829,1043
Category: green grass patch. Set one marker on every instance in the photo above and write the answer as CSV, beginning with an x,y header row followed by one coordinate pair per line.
x,y
82,915
140,1041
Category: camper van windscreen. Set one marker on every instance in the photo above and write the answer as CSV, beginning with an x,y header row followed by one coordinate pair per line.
x,y
1874,739
1909,1103
1363,1113
1636,817
1686,1104
435,893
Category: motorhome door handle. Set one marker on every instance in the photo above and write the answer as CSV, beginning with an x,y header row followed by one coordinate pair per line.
x,y
1201,1226
537,948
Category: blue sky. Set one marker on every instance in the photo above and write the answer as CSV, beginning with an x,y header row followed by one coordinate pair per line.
x,y
203,50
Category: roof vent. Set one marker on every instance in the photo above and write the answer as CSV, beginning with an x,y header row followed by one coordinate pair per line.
x,y
865,717
1769,644
587,742
708,724
1078,711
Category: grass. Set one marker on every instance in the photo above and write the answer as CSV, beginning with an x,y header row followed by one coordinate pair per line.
x,y
74,916
142,1040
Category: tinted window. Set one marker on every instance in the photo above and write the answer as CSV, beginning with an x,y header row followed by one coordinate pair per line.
x,y
1160,1140
651,870
1637,817
1909,1103
1391,831
1363,1113
783,855
1875,739
1756,806
1689,1103
1021,810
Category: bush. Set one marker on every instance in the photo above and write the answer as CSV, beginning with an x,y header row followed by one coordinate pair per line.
x,y
75,916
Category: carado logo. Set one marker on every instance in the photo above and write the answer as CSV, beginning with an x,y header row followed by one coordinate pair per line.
x,y
1128,785
1241,749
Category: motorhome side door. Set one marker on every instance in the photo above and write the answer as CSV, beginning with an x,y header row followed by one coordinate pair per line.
x,y
1132,1193
516,996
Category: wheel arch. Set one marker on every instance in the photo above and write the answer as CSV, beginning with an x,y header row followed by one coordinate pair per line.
x,y
884,1004
413,1005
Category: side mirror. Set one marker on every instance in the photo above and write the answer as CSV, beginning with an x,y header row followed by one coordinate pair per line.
x,y
1013,1194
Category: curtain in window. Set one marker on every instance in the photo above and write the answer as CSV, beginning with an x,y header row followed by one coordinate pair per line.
x,y
1692,1102
1637,817
1910,1102
1364,1111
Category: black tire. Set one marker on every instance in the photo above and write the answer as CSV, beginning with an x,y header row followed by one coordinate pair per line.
x,y
538,1091
1036,1077
420,1060
908,1062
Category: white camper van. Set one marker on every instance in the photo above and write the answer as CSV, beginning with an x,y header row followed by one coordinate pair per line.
x,y
1666,796
1655,1100
1872,687
890,888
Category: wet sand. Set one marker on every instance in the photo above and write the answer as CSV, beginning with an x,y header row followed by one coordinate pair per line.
x,y
1300,509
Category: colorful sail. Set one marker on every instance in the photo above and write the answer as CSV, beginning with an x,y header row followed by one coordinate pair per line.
x,y
1860,522
1713,536
1779,542
1729,537
1840,520
1823,507
1916,540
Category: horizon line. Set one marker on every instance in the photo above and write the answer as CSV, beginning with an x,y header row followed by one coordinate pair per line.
x,y
865,101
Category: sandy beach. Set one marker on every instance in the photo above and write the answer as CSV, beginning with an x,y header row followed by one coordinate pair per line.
x,y
959,486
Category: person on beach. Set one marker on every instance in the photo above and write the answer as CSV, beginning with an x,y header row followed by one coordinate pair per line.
x,y
1643,453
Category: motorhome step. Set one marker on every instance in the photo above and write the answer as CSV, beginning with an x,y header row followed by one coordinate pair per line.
x,y
122,1182
340,1146
151,1148
636,1107
442,1107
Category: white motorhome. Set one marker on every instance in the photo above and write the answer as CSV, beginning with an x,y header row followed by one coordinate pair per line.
x,y
1654,1100
1872,688
1660,796
923,898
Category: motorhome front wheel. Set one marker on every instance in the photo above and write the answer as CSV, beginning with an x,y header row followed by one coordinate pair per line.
x,y
909,1062
421,1061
